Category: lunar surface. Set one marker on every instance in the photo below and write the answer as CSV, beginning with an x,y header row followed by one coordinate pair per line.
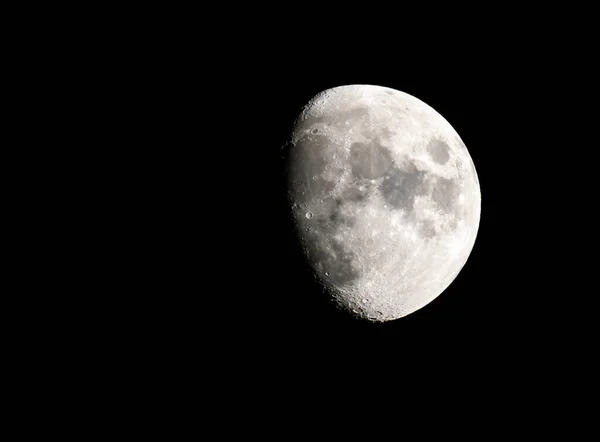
x,y
385,199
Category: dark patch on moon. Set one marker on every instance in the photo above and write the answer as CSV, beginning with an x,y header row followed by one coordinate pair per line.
x,y
445,193
332,218
385,132
369,160
439,151
404,182
307,161
357,192
339,219
427,229
376,134
354,194
400,186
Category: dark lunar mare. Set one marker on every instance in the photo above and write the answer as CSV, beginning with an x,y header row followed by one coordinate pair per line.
x,y
427,229
400,186
439,151
445,194
369,160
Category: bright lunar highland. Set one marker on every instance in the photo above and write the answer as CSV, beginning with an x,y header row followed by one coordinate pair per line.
x,y
384,196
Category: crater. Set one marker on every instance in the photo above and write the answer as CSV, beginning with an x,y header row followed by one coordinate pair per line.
x,y
369,160
438,151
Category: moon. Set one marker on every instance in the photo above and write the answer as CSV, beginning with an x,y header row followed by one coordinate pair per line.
x,y
384,197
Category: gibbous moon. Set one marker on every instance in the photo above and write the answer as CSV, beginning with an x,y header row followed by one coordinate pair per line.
x,y
385,199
